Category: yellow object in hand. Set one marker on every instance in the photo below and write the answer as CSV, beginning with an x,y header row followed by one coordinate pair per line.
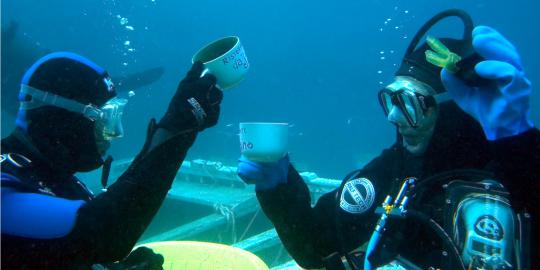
x,y
441,56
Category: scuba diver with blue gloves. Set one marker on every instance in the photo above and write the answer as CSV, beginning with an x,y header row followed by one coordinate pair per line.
x,y
459,189
69,114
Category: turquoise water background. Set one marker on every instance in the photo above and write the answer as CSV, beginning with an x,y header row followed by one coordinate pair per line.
x,y
314,64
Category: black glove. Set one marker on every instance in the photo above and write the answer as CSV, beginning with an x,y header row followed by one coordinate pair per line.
x,y
195,104
142,258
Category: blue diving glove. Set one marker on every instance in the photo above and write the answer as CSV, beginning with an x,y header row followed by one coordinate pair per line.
x,y
502,108
265,175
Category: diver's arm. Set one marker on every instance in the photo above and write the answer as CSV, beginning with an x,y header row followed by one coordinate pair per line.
x,y
114,220
285,199
518,167
310,234
503,110
160,136
125,210
288,206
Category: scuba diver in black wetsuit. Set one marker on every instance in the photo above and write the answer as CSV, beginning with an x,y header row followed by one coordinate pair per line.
x,y
69,114
465,166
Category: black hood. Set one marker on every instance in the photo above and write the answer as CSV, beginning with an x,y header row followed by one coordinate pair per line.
x,y
414,63
65,139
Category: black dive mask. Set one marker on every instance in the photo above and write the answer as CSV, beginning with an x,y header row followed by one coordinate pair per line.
x,y
412,104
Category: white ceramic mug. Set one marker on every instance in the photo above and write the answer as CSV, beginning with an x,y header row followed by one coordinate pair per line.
x,y
226,59
264,142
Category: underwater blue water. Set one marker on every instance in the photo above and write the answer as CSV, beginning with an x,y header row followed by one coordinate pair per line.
x,y
314,64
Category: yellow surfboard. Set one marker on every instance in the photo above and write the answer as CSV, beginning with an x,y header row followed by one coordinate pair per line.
x,y
180,255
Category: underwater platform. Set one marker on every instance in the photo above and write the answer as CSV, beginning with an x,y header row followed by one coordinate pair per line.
x,y
209,202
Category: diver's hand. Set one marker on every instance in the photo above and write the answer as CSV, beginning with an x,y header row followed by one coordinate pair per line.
x,y
502,108
196,104
142,258
265,175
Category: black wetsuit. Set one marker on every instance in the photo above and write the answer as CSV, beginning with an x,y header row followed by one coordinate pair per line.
x,y
55,223
311,234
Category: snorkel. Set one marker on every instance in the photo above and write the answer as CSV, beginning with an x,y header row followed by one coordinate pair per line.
x,y
415,63
462,67
460,60
441,56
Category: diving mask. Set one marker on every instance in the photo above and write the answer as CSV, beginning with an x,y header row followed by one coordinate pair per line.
x,y
411,103
108,118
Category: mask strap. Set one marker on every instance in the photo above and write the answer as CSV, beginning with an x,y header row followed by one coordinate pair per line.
x,y
436,99
464,16
42,98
